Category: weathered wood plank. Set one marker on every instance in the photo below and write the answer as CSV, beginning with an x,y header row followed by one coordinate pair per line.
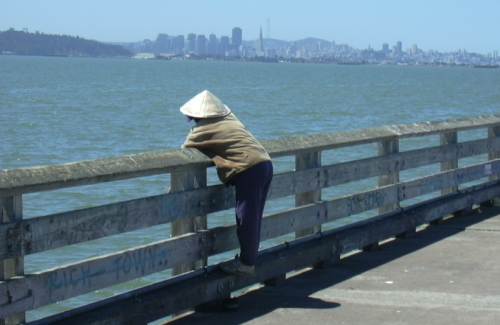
x,y
57,230
72,227
43,178
308,161
77,278
448,179
11,210
294,145
188,180
447,139
421,213
494,151
391,175
375,166
173,295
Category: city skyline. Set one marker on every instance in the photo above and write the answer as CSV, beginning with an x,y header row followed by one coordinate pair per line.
x,y
213,40
385,46
444,26
198,46
227,37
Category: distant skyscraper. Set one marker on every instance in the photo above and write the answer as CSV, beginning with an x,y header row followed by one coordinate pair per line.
x,y
224,45
385,48
178,44
260,49
212,45
162,43
414,49
399,47
237,37
191,43
201,45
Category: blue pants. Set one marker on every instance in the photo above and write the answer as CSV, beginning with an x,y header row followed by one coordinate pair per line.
x,y
252,186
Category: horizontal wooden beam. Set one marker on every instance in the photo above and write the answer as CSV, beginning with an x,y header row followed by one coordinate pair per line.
x,y
46,178
375,166
43,178
147,304
293,145
57,230
91,274
42,288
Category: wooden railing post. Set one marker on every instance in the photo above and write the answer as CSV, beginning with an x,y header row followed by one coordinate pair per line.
x,y
445,139
449,138
494,134
306,161
11,211
182,181
387,147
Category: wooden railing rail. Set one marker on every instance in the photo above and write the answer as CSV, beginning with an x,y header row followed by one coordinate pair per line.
x,y
44,178
194,288
71,227
88,275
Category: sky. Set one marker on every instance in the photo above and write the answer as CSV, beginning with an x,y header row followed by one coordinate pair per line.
x,y
431,24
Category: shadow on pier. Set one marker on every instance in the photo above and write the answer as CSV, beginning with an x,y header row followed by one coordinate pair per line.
x,y
294,295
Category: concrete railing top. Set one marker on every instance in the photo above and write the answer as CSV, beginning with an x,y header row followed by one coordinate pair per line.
x,y
42,178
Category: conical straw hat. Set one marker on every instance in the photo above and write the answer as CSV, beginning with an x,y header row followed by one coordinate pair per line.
x,y
205,105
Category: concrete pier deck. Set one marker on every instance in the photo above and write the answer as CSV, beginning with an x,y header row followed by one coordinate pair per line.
x,y
445,274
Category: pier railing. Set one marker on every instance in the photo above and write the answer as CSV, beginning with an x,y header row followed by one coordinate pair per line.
x,y
190,200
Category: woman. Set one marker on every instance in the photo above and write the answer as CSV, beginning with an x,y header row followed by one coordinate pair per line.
x,y
241,161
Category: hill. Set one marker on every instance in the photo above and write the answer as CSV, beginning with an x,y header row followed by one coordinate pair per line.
x,y
269,43
24,43
312,43
309,43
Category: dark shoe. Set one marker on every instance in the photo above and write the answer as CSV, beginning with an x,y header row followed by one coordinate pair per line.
x,y
235,267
